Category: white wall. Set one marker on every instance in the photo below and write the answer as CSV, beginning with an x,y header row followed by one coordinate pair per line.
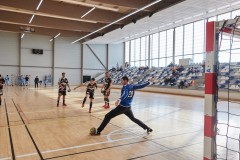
x,y
67,57
9,46
116,55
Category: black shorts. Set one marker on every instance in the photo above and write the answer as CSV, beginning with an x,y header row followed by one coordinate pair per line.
x,y
91,94
106,93
62,92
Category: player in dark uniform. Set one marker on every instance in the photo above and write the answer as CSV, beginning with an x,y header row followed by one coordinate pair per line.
x,y
2,82
89,92
106,89
63,83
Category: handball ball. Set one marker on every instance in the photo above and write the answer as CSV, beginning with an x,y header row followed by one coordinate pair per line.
x,y
69,90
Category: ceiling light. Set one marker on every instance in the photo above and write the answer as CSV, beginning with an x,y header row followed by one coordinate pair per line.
x,y
22,35
39,4
88,12
31,18
57,35
143,8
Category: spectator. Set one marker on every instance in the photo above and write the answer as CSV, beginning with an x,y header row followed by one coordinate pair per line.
x,y
181,84
45,81
7,80
36,81
203,65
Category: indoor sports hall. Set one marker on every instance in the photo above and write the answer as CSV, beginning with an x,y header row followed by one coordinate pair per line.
x,y
120,80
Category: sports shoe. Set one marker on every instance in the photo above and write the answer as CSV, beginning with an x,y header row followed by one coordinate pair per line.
x,y
149,130
82,105
90,111
64,104
106,107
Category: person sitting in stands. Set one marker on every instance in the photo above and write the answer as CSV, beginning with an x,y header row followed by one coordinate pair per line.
x,y
181,84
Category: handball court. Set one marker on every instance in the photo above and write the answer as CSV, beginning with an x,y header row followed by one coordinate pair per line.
x,y
40,130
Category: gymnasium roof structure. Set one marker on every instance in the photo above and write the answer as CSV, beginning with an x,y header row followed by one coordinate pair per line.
x,y
74,18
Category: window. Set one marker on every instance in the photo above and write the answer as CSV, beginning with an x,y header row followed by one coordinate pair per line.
x,y
132,52
155,45
188,40
178,41
212,19
224,16
162,62
170,43
163,41
162,49
199,36
127,51
137,49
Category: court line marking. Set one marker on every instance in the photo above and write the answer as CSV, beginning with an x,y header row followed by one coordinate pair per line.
x,y
92,144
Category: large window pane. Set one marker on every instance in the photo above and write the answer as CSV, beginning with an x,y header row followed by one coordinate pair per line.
x,y
224,16
169,60
127,51
170,43
198,36
178,41
143,48
223,56
162,62
155,45
188,39
137,49
212,19
132,51
235,56
177,59
198,58
163,43
235,13
154,63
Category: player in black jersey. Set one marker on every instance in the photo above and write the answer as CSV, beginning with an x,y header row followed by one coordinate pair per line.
x,y
106,89
63,83
89,92
2,82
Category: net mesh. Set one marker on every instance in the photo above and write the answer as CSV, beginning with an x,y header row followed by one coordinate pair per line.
x,y
228,111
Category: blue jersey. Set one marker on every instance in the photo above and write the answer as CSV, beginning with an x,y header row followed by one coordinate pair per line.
x,y
127,93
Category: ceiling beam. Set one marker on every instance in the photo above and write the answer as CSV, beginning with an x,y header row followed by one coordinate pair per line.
x,y
40,31
60,10
49,22
76,2
135,4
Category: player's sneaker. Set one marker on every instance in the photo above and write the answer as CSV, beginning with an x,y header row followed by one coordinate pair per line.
x,y
64,105
90,111
149,130
106,107
82,105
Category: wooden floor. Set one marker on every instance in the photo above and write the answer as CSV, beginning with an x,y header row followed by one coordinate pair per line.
x,y
39,129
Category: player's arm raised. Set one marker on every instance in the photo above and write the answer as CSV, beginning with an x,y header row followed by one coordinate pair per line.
x,y
140,86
